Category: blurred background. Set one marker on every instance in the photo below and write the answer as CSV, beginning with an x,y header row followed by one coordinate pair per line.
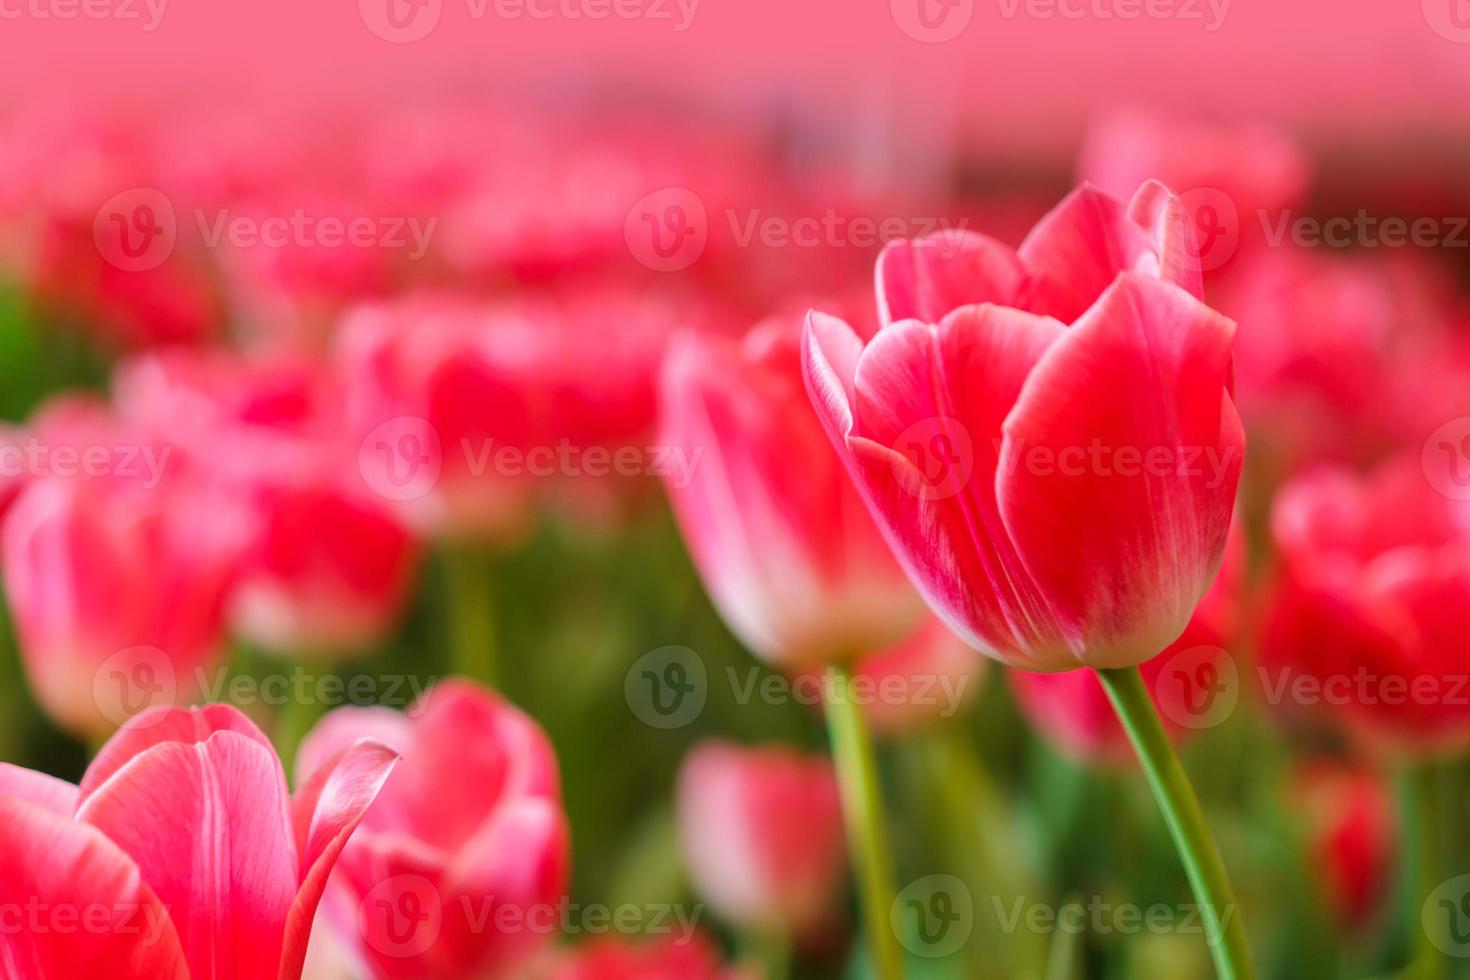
x,y
237,239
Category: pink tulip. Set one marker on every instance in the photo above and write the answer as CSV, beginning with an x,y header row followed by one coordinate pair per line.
x,y
784,545
118,581
331,565
669,959
761,832
1060,493
1366,622
181,848
459,869
1072,711
1348,814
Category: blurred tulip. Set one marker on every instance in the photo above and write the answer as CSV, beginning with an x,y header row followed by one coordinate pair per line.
x,y
782,542
1351,829
459,870
1072,711
675,958
1060,494
762,838
1366,621
330,565
118,579
183,832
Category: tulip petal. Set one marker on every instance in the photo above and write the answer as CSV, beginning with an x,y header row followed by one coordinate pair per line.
x,y
1159,212
340,730
161,725
1077,250
326,811
51,794
208,825
923,397
85,912
925,278
1125,527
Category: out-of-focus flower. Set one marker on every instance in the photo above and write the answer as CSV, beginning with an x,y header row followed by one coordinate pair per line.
x,y
1060,494
1366,621
459,870
784,545
117,568
927,677
330,564
761,832
1349,820
1072,711
675,958
183,832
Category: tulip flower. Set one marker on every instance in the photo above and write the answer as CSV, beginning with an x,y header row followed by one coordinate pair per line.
x,y
1071,709
1365,626
330,565
1048,440
675,958
1350,825
761,833
184,845
118,589
458,871
783,543
925,678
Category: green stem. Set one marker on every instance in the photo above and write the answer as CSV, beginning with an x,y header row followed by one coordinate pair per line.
x,y
770,951
471,615
867,832
1181,809
1420,812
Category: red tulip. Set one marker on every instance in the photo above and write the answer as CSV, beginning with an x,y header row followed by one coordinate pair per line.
x,y
118,583
1072,711
331,565
785,547
1060,494
1366,624
182,849
761,832
1351,829
459,869
620,959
